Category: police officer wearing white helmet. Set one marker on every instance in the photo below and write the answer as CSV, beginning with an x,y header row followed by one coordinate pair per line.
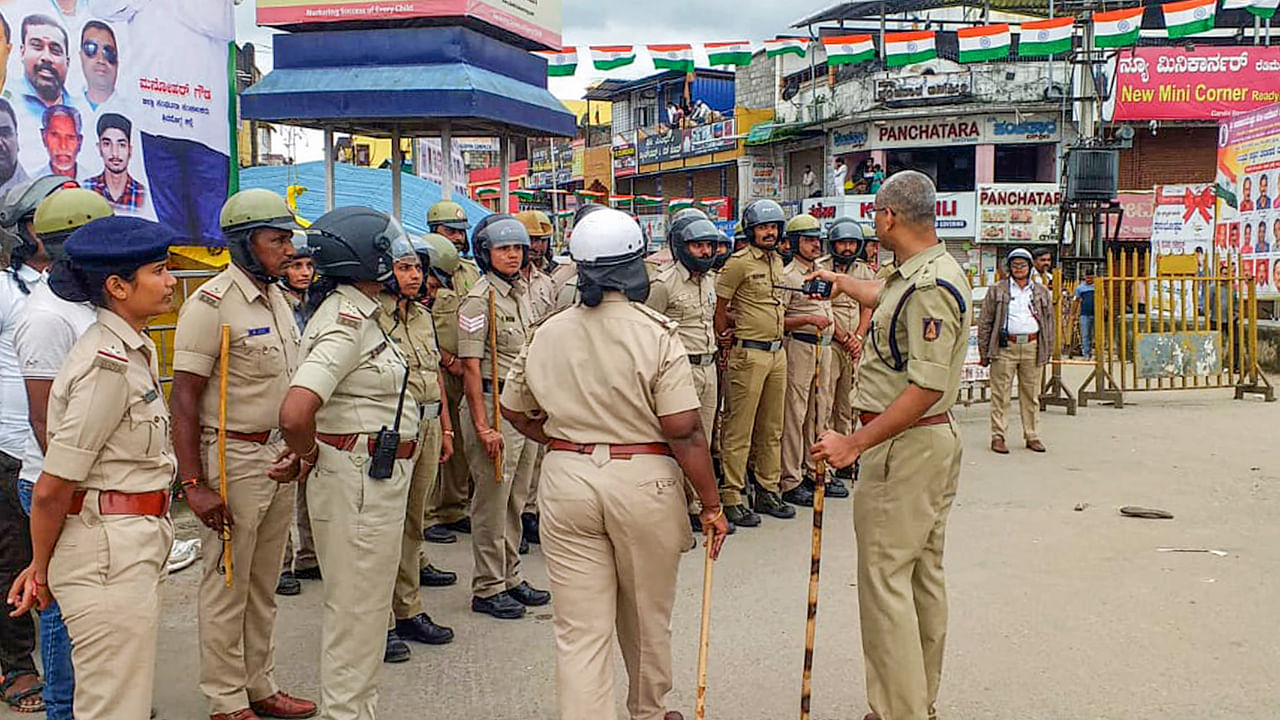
x,y
619,440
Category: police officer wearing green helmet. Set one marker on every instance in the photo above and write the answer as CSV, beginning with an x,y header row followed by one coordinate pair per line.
x,y
449,220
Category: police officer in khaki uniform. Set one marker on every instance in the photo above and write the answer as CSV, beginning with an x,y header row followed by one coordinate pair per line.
x,y
908,380
847,241
565,278
107,471
542,301
449,220
809,326
237,623
497,587
757,366
340,417
685,292
619,440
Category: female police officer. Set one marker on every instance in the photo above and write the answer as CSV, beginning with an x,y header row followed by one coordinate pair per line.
x,y
100,515
347,415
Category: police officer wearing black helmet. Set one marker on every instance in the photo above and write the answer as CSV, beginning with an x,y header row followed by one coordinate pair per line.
x,y
349,419
497,307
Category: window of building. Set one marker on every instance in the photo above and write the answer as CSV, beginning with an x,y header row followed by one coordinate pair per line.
x,y
1024,163
952,168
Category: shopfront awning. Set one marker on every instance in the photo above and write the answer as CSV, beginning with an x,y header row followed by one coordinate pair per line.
x,y
766,133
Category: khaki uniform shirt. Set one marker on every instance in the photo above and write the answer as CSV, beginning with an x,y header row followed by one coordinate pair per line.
x,y
514,318
801,304
747,282
690,303
640,372
261,357
444,313
353,367
932,333
542,294
466,276
108,421
563,274
844,308
416,338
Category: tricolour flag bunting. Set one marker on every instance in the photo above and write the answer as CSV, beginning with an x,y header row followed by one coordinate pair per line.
x,y
561,64
729,53
680,203
983,44
1188,17
786,46
672,57
1045,37
849,49
907,48
612,57
1118,28
1261,8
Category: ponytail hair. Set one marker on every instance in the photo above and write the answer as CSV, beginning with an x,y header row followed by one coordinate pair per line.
x,y
73,283
321,288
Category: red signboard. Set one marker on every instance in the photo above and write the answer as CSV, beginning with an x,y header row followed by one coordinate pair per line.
x,y
1138,207
1173,83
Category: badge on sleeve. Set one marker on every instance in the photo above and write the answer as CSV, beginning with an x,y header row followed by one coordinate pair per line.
x,y
932,328
348,319
472,324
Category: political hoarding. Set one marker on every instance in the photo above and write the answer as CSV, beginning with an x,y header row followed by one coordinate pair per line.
x,y
130,98
1182,223
1248,220
535,20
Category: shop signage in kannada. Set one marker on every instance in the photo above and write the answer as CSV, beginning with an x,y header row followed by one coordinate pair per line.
x,y
675,144
1207,82
955,211
924,89
970,130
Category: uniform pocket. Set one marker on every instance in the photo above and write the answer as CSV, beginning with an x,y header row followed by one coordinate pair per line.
x,y
263,355
147,428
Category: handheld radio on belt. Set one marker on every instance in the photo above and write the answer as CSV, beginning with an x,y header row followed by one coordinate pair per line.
x,y
386,444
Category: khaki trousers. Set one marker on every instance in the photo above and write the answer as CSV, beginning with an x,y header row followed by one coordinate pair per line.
x,y
406,601
535,476
843,383
900,508
237,624
802,406
753,425
358,523
449,498
106,574
612,532
704,381
496,506
1016,359
300,554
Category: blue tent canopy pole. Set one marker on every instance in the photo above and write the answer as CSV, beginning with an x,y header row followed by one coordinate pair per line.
x,y
446,154
397,170
330,187
504,176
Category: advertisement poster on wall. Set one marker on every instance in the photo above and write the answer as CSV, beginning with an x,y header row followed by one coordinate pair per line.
x,y
127,97
955,211
1248,175
1206,83
766,179
624,154
1181,224
1018,214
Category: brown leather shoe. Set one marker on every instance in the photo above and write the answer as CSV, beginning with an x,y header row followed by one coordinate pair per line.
x,y
285,706
997,445
1035,446
245,714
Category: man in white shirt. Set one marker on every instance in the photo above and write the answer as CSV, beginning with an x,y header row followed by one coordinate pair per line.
x,y
838,176
1015,337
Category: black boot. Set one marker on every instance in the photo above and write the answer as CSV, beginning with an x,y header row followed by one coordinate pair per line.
x,y
432,576
769,503
420,628
527,595
740,516
801,494
397,650
288,584
529,526
501,606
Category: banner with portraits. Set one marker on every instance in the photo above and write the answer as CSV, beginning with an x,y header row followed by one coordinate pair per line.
x,y
129,98
1248,191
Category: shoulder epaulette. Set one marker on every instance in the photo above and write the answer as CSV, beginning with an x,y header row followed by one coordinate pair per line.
x,y
111,358
349,315
928,278
208,296
667,323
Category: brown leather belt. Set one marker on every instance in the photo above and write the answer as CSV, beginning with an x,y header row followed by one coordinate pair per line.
x,y
347,443
258,438
1023,339
616,452
939,419
112,502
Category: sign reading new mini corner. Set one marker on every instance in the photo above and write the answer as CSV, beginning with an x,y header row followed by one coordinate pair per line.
x,y
534,20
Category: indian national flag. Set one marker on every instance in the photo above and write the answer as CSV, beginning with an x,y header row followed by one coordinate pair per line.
x,y
1117,28
525,194
1189,17
729,53
786,46
611,57
1261,8
488,192
1046,37
562,63
648,200
981,44
680,203
907,48
849,49
672,57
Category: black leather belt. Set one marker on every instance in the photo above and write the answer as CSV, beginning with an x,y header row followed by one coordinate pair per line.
x,y
810,338
429,411
702,360
487,384
774,346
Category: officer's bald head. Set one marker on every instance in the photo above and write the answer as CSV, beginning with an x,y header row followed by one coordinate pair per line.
x,y
911,196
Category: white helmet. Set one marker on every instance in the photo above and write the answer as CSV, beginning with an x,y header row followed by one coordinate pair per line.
x,y
1016,253
606,237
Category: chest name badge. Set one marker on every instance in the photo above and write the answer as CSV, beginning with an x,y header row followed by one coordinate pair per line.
x,y
932,328
150,396
255,332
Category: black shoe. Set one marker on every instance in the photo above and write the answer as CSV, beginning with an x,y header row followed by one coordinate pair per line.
x,y
501,606
740,516
529,527
288,584
769,503
836,488
432,576
439,534
799,495
529,596
524,546
308,573
397,650
845,473
695,522
462,526
419,628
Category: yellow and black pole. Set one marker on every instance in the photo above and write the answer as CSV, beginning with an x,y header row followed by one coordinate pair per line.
x,y
223,361
815,558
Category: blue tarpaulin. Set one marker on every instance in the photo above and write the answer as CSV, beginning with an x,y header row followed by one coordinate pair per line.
x,y
370,187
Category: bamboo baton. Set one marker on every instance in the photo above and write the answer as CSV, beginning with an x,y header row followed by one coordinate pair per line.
x,y
493,369
815,559
222,443
704,632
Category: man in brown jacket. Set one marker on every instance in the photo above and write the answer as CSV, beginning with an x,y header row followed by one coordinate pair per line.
x,y
1015,337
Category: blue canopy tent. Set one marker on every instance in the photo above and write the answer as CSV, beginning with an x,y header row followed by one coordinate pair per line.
x,y
353,185
407,82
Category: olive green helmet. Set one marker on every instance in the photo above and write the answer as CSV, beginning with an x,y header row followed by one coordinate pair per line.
x,y
738,233
443,256
804,224
256,208
65,210
449,214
